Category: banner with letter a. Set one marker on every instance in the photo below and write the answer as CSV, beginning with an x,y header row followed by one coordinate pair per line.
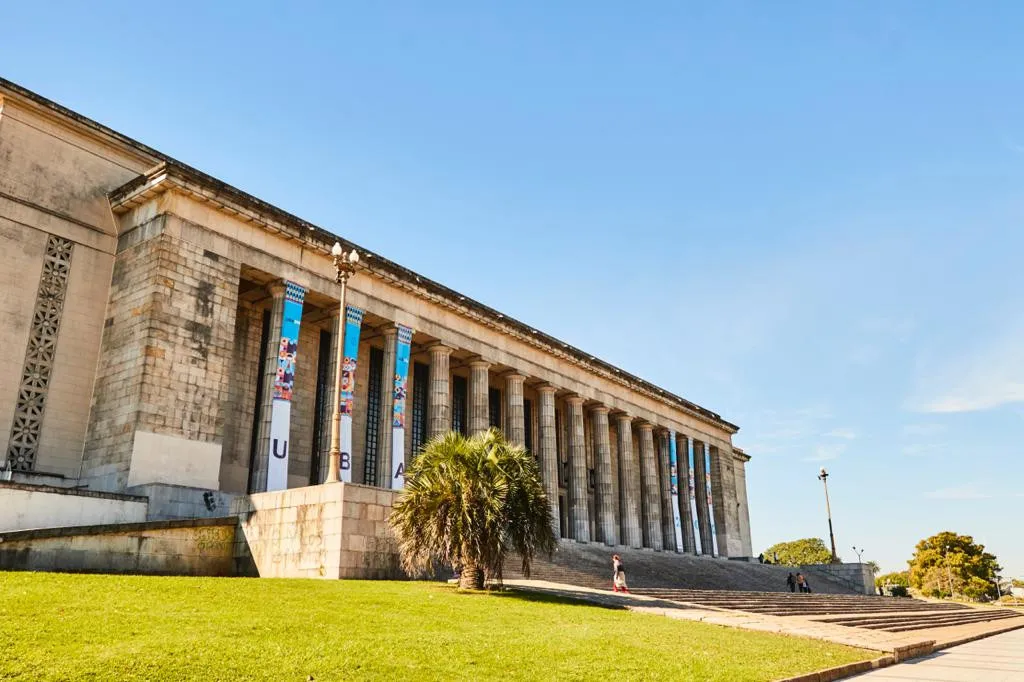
x,y
353,323
673,466
398,415
697,546
711,507
281,405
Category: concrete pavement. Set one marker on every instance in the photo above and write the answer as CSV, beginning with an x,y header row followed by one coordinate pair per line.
x,y
999,658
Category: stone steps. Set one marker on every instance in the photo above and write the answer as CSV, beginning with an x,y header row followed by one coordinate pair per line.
x,y
922,621
589,565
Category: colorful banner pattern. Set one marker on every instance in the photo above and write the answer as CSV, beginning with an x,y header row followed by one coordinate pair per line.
x,y
697,546
673,465
398,415
353,323
281,404
711,507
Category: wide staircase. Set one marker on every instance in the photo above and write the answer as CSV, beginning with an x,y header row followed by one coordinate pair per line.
x,y
591,566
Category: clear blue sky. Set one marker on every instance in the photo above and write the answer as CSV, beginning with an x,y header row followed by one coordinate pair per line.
x,y
805,216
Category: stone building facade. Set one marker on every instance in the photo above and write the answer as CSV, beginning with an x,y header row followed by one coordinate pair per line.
x,y
142,310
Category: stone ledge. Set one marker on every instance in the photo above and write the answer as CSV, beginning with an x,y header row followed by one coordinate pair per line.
x,y
841,671
57,490
111,528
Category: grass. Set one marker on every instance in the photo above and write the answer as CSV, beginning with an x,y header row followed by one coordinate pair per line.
x,y
90,627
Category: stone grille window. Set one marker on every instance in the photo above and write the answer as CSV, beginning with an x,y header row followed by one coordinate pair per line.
x,y
373,387
420,384
460,396
23,445
494,407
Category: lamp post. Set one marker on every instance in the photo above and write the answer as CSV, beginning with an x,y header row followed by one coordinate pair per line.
x,y
823,477
859,552
949,575
344,266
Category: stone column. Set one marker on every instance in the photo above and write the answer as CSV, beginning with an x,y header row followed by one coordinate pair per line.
x,y
742,510
685,513
668,528
515,424
479,419
607,524
629,476
579,515
258,475
329,398
650,496
723,492
549,451
439,400
703,520
387,398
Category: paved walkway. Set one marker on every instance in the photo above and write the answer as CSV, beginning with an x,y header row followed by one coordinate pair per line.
x,y
999,658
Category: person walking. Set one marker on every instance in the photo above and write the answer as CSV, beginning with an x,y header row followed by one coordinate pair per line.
x,y
618,576
791,582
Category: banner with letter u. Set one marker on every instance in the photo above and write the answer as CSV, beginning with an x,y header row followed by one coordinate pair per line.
x,y
281,404
673,465
402,347
353,323
698,548
711,507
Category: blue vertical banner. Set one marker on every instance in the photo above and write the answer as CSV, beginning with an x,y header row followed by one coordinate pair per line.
x,y
711,506
284,381
402,349
697,545
673,465
353,324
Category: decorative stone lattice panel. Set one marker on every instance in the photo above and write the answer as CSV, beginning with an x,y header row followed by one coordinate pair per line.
x,y
23,445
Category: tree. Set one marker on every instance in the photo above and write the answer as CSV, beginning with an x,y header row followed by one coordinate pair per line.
x,y
901,578
875,568
1016,582
800,552
946,564
468,502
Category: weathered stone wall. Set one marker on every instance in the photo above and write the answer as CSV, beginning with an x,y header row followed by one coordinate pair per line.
x,y
723,494
200,547
167,502
24,506
324,531
856,576
241,402
164,367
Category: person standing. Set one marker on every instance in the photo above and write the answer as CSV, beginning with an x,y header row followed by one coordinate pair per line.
x,y
618,575
791,582
800,582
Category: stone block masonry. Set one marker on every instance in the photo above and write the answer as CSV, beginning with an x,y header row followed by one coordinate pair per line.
x,y
164,365
338,530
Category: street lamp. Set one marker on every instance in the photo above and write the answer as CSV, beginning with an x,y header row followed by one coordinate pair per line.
x,y
823,477
344,266
859,553
949,576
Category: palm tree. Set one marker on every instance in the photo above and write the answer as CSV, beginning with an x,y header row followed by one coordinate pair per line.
x,y
468,502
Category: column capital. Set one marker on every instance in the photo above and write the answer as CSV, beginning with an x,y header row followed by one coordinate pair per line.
x,y
574,399
388,330
547,388
622,417
479,363
436,348
599,409
277,288
512,375
645,425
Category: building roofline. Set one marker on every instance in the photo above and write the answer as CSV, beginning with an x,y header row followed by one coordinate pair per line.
x,y
170,166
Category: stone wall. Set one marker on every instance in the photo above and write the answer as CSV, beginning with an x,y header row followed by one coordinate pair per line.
x,y
166,356
193,547
857,576
24,506
324,531
168,502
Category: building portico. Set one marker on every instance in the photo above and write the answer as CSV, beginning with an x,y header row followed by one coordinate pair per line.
x,y
220,313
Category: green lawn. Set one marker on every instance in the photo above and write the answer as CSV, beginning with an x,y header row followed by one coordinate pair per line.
x,y
78,627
